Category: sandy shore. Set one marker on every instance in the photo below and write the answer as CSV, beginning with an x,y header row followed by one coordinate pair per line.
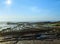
x,y
33,42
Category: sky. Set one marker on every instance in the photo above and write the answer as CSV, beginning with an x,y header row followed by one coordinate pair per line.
x,y
29,10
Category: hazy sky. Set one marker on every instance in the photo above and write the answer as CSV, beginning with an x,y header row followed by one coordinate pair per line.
x,y
29,10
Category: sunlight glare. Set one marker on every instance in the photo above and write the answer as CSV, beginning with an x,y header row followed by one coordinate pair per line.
x,y
8,2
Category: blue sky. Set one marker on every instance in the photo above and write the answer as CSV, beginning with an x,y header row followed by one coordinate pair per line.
x,y
29,10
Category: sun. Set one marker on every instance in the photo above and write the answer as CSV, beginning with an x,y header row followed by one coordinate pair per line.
x,y
8,2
